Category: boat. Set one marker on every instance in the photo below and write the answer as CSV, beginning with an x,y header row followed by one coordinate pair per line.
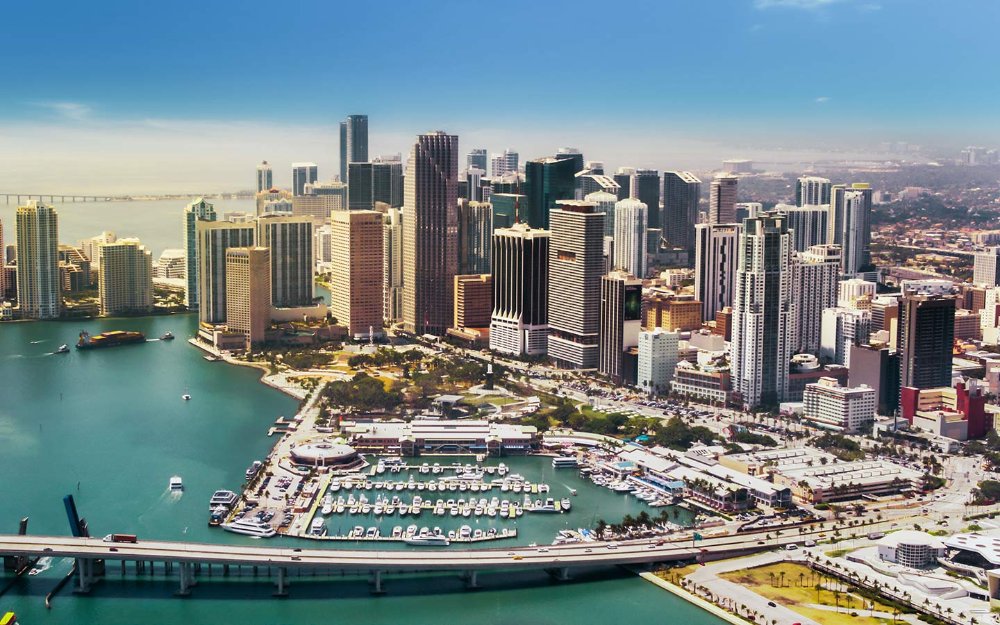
x,y
397,531
253,469
317,527
426,539
566,504
63,349
327,508
186,397
222,498
167,336
465,532
565,462
176,483
250,527
371,533
218,515
113,338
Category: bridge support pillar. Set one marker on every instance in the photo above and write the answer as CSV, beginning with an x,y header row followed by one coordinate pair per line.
x,y
282,584
471,580
84,575
377,583
560,574
187,579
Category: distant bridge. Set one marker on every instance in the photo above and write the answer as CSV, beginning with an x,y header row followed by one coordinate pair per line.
x,y
62,197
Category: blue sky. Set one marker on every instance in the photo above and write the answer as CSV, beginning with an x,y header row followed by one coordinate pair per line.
x,y
725,75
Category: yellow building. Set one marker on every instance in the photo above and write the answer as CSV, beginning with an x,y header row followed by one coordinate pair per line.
x,y
672,312
248,292
356,271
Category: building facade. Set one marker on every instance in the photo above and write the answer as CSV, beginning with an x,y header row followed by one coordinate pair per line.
x,y
38,285
519,323
248,293
815,275
681,192
630,236
722,200
850,226
125,285
621,322
716,256
196,211
926,335
356,272
657,360
833,406
213,238
303,174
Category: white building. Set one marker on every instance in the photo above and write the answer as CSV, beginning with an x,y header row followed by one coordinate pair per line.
x,y
989,317
810,224
88,247
392,266
812,191
986,270
606,204
38,287
910,548
850,226
854,291
657,359
841,328
505,163
125,286
715,266
829,404
170,265
815,276
722,200
630,236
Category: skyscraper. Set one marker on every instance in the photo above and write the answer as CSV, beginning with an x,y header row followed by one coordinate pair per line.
x,y
212,239
620,322
430,233
38,288
722,200
681,191
812,191
547,181
850,226
815,275
475,230
476,159
630,236
809,223
356,276
576,263
716,256
605,203
986,267
125,284
841,329
353,143
387,181
196,211
506,163
519,324
303,174
359,191
764,312
647,191
508,209
248,292
623,178
290,240
392,267
265,179
926,335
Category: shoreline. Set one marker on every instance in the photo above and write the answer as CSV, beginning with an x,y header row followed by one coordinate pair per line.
x,y
265,371
707,606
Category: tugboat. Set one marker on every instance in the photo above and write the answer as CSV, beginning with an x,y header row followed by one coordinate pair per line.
x,y
167,336
109,339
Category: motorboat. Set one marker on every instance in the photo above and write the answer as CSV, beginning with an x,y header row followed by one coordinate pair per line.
x,y
176,483
167,336
186,397
63,349
250,527
317,527
426,539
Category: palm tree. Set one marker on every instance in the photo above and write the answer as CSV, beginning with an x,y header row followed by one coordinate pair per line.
x,y
801,578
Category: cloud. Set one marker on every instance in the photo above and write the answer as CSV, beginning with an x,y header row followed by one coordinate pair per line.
x,y
75,111
823,99
808,5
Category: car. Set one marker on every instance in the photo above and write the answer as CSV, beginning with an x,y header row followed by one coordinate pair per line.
x,y
772,604
651,546
543,550
518,557
588,550
112,548
612,545
760,542
791,547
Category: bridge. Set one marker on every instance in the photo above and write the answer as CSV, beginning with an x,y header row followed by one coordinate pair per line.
x,y
91,556
63,197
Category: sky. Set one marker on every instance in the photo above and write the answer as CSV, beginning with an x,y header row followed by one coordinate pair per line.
x,y
118,96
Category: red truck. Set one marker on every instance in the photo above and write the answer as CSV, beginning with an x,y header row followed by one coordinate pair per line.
x,y
121,538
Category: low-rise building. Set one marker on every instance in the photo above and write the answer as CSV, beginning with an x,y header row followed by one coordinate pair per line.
x,y
844,481
434,436
909,548
709,381
830,405
957,412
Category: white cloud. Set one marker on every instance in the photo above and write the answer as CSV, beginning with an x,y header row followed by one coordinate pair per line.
x,y
75,111
823,99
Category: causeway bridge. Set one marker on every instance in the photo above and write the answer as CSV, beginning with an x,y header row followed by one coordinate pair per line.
x,y
63,198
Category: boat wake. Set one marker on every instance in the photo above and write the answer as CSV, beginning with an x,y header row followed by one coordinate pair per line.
x,y
43,564
38,341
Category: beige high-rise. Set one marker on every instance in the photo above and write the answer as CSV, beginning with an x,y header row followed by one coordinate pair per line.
x,y
356,276
38,293
248,292
125,286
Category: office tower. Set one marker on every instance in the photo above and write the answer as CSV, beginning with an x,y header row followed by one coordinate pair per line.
x,y
576,263
303,174
323,247
356,272
317,207
593,183
196,211
290,240
125,286
885,314
392,267
623,178
475,230
657,359
878,367
387,181
265,177
353,143
608,252
838,407
986,269
508,209
271,201
430,233
716,256
764,312
620,322
574,155
473,301
856,293
248,292
647,191
546,181
503,164
212,239
630,236
37,226
926,334
812,191
681,191
842,328
170,265
722,200
473,184
519,323
809,223
814,284
850,226
747,210
359,191
476,158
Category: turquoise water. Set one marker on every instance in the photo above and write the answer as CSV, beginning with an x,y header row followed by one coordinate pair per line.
x,y
109,426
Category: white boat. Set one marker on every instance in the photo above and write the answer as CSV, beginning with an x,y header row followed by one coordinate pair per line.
x,y
426,539
176,483
317,528
565,462
63,349
566,504
222,498
185,397
250,527
465,532
397,531
327,508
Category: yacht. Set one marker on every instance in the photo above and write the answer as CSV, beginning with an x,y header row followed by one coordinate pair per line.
x,y
327,505
222,498
63,349
218,515
465,532
317,527
358,532
397,531
565,462
426,539
176,483
250,527
372,532
425,468
566,504
253,469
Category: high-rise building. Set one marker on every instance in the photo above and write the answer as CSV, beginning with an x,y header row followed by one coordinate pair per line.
x,y
475,230
814,283
430,234
353,143
716,256
508,209
547,181
630,236
856,293
572,154
196,211
878,367
657,359
502,164
576,263
265,177
473,301
356,272
587,183
125,286
387,181
3,263
476,158
834,406
681,191
809,223
623,178
474,184
359,191
850,226
812,191
392,267
605,203
986,268
621,322
764,312
841,329
303,174
290,240
248,292
212,239
270,201
647,191
926,334
38,292
88,247
519,323
722,200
